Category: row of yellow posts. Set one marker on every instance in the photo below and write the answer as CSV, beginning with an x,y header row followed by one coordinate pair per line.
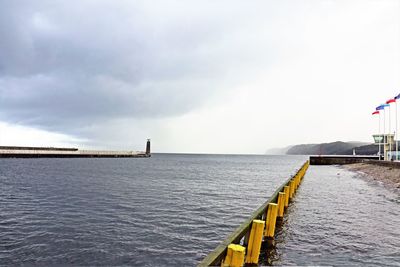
x,y
236,254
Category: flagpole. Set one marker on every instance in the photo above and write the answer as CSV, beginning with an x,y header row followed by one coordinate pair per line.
x,y
390,131
397,145
379,138
384,132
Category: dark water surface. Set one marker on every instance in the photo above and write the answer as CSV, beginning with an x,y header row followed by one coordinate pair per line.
x,y
166,210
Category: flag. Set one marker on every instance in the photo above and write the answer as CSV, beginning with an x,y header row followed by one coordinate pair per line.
x,y
382,106
375,112
397,97
390,101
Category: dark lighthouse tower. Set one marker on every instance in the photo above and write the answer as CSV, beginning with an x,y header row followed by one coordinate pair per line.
x,y
148,153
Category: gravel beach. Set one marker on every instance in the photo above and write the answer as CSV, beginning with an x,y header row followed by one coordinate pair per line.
x,y
388,176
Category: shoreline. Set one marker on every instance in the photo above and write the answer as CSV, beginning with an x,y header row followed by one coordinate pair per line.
x,y
389,177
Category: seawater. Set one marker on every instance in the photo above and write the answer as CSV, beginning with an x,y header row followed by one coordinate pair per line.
x,y
172,210
167,210
339,218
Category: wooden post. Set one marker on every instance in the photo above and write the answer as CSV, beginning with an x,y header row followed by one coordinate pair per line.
x,y
271,220
291,186
296,181
256,235
286,190
281,204
234,256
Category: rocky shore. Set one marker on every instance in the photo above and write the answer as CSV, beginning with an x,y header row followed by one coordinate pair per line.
x,y
388,176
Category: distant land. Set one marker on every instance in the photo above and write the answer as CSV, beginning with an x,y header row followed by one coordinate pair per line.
x,y
333,148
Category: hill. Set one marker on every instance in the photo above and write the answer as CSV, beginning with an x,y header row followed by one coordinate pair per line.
x,y
334,148
278,150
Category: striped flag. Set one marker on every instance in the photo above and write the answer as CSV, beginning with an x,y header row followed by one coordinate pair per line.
x,y
375,112
391,101
381,107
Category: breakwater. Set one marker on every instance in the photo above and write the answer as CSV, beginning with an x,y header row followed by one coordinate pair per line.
x,y
339,160
244,244
55,152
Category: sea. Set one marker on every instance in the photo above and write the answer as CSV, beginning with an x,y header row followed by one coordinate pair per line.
x,y
174,209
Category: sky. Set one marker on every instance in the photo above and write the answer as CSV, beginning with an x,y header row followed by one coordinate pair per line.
x,y
204,76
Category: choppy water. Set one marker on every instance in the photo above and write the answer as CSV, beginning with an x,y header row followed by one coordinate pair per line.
x,y
167,210
174,209
337,218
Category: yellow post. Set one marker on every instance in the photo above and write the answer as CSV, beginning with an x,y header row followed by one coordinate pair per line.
x,y
281,204
234,256
286,190
295,179
291,186
271,219
255,240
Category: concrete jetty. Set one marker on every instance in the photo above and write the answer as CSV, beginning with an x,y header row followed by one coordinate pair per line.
x,y
339,159
57,152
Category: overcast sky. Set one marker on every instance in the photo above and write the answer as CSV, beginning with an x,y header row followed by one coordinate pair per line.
x,y
195,76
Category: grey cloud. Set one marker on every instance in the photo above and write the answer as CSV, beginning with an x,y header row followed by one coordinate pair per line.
x,y
58,69
69,64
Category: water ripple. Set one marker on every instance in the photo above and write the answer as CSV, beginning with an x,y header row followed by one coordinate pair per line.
x,y
340,220
163,211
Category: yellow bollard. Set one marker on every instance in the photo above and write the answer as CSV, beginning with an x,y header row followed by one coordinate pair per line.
x,y
281,204
271,219
291,186
294,187
286,190
255,240
295,183
234,256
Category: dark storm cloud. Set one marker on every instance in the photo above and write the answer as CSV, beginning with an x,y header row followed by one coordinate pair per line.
x,y
74,63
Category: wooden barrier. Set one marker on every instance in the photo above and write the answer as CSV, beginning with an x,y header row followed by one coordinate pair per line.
x,y
281,204
253,248
234,256
291,186
231,252
287,193
271,220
